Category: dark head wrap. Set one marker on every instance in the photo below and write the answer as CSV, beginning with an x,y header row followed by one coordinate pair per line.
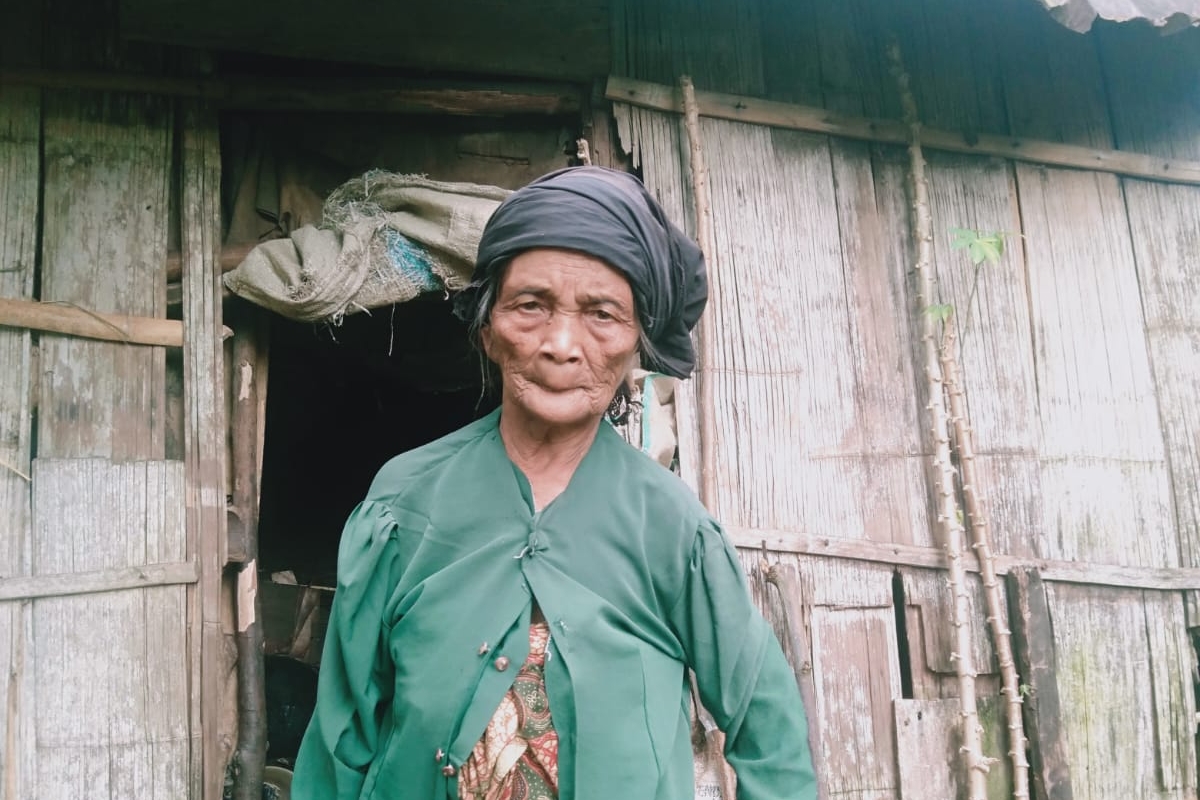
x,y
608,215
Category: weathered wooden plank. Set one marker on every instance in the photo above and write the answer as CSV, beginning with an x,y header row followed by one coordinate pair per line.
x,y
1105,487
1166,235
204,442
106,169
928,741
1034,651
111,725
1172,663
854,653
1109,706
764,283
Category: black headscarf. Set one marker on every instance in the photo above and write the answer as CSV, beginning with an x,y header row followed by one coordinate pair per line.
x,y
609,215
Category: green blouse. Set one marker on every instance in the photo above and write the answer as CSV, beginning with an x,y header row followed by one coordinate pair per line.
x,y
438,570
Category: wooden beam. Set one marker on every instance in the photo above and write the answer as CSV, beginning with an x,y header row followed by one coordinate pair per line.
x,y
1155,578
72,320
1033,644
364,95
818,120
97,581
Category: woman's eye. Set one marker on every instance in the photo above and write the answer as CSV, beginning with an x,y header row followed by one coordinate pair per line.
x,y
529,305
602,315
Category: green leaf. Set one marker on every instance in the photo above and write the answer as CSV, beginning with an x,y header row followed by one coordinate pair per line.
x,y
962,237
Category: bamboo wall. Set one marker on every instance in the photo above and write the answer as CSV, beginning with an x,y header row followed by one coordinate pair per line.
x,y
100,607
1081,358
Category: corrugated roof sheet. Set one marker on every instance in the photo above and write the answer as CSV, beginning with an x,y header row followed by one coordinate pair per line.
x,y
1078,15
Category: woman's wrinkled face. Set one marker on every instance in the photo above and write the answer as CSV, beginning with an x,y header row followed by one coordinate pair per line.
x,y
564,333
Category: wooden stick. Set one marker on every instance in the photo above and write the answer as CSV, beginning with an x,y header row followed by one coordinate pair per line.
x,y
885,131
708,332
707,341
71,320
231,256
380,95
975,765
997,614
33,587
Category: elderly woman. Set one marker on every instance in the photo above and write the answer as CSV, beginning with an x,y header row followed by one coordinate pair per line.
x,y
518,602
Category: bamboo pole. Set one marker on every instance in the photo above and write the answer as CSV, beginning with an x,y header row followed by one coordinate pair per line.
x,y
975,765
231,256
708,333
708,342
997,612
72,320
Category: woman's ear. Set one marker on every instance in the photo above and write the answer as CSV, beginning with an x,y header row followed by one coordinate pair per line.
x,y
485,340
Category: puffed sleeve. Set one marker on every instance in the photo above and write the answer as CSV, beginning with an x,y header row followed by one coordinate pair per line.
x,y
355,683
744,680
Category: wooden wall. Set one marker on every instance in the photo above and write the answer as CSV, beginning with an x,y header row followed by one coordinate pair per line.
x,y
1081,357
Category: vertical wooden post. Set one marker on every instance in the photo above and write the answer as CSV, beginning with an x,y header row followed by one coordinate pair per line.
x,y
252,715
1033,647
204,433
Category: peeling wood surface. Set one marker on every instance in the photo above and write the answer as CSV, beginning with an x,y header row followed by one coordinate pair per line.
x,y
110,671
1129,649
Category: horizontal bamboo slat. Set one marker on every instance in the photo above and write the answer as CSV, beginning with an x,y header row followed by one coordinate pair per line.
x,y
97,581
818,120
71,320
1155,578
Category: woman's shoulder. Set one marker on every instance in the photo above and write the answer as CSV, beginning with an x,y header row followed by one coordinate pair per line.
x,y
411,468
659,486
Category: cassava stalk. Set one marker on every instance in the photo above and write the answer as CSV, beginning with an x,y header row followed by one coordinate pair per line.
x,y
975,765
997,612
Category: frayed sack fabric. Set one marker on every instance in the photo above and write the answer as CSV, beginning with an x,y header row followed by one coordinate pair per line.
x,y
384,238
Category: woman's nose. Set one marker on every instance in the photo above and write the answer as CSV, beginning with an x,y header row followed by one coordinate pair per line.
x,y
562,340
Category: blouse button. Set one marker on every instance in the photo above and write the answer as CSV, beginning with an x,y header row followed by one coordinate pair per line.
x,y
439,755
448,770
501,663
483,649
